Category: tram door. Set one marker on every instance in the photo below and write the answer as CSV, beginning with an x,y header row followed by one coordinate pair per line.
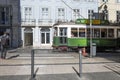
x,y
63,35
118,40
45,36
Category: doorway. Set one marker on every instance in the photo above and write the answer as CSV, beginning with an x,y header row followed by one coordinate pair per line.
x,y
45,36
28,40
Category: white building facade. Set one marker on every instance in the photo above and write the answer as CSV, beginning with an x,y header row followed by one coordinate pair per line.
x,y
39,16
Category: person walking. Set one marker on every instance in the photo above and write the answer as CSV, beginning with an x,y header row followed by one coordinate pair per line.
x,y
0,43
4,45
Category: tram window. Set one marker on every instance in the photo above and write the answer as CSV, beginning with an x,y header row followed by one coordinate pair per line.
x,y
110,32
74,32
104,33
96,33
63,40
63,31
88,32
119,33
55,31
81,32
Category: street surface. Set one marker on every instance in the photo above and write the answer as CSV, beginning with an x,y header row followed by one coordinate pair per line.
x,y
51,65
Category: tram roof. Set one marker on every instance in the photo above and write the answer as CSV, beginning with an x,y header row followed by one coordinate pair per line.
x,y
71,25
102,26
86,26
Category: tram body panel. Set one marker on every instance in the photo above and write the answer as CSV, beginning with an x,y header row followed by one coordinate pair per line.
x,y
77,42
84,42
104,42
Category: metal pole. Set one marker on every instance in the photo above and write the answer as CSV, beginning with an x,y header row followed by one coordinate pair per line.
x,y
32,65
91,51
80,63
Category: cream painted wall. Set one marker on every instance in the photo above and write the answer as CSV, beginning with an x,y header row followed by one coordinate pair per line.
x,y
113,6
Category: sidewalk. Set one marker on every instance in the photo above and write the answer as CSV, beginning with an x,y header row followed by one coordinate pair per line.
x,y
57,66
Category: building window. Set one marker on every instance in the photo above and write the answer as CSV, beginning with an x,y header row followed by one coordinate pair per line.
x,y
118,16
45,12
90,0
4,15
105,14
44,0
89,14
57,0
61,13
76,14
105,0
28,12
76,0
118,1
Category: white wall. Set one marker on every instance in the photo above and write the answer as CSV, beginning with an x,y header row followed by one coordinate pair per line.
x,y
54,4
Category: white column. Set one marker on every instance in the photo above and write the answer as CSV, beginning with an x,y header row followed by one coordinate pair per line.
x,y
51,35
69,32
36,37
39,36
58,29
23,37
33,30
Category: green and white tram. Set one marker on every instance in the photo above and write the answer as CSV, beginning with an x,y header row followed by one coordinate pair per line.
x,y
75,36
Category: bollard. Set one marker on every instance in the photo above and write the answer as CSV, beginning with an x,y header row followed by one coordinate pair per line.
x,y
32,65
80,62
91,50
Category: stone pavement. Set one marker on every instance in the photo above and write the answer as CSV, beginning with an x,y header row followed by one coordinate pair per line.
x,y
51,65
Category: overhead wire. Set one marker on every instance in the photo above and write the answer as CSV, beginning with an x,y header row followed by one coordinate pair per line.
x,y
72,9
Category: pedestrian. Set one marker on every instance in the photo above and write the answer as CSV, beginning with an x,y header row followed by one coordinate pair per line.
x,y
4,45
0,43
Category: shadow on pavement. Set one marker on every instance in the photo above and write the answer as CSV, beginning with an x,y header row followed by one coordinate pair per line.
x,y
112,56
101,76
70,76
14,56
42,77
